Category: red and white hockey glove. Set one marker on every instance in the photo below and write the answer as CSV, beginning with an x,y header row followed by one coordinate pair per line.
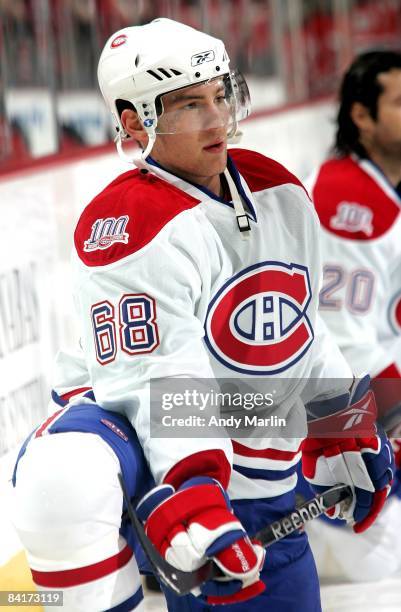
x,y
366,464
196,523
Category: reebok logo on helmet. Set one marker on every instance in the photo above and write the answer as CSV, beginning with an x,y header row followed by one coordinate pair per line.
x,y
201,58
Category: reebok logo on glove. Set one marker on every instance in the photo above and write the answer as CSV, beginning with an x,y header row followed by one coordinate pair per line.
x,y
241,557
195,523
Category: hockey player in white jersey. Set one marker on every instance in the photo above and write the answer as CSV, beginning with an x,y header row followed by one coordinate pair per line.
x,y
198,264
357,194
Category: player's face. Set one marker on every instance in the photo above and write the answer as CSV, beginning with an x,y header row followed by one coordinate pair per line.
x,y
386,134
194,145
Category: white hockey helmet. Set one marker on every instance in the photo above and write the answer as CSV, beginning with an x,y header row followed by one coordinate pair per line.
x,y
141,63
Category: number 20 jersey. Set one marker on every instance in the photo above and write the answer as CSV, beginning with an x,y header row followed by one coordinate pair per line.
x,y
360,301
166,286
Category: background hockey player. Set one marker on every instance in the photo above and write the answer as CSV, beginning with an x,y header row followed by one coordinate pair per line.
x,y
197,265
357,194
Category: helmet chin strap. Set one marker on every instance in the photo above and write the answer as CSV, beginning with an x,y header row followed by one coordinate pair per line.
x,y
240,214
138,158
235,138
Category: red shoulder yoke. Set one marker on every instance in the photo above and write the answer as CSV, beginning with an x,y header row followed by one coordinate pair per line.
x,y
350,203
126,216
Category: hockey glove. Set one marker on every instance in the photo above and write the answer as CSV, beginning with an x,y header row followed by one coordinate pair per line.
x,y
366,464
196,523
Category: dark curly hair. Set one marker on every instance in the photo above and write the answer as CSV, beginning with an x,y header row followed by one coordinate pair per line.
x,y
360,84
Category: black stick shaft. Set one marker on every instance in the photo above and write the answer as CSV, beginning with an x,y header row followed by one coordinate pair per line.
x,y
302,514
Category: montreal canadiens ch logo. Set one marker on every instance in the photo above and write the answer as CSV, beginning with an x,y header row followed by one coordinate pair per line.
x,y
257,322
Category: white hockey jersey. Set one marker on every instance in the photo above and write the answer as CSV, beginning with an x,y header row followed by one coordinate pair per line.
x,y
360,300
166,286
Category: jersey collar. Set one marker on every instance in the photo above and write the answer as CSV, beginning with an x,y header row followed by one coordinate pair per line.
x,y
199,192
377,174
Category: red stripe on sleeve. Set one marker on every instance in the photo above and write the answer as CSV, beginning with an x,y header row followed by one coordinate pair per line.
x,y
81,575
264,453
70,394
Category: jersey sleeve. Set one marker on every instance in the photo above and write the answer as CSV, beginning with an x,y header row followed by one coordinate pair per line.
x,y
330,375
141,324
71,379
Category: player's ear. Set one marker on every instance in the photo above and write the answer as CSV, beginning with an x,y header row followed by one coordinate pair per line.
x,y
133,126
361,117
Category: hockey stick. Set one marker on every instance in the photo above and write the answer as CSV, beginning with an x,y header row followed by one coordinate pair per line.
x,y
183,582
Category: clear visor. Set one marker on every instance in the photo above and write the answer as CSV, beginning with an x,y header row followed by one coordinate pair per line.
x,y
217,103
